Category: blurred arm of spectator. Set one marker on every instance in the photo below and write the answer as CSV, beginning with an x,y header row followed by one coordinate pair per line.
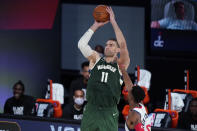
x,y
8,107
155,24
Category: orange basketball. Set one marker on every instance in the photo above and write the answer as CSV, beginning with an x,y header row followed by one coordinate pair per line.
x,y
100,14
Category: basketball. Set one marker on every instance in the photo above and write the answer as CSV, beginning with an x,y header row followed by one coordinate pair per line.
x,y
100,14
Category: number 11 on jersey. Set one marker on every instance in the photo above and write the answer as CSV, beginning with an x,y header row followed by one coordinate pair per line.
x,y
104,77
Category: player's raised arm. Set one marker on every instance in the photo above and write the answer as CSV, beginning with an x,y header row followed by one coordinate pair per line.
x,y
124,55
133,121
126,78
85,49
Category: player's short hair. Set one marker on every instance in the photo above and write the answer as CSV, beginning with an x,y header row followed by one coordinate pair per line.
x,y
176,4
21,84
114,39
86,63
79,90
138,94
99,49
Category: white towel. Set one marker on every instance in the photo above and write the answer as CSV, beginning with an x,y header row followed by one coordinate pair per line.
x,y
145,77
58,92
177,102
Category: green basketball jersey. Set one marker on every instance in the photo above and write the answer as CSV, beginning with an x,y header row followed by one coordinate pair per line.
x,y
104,84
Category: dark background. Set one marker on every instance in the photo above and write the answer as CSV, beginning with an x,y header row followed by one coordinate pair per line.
x,y
33,56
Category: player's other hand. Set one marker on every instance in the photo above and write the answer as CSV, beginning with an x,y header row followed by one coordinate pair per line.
x,y
111,13
97,25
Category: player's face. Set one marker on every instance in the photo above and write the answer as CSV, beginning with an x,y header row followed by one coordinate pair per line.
x,y
180,10
110,48
85,72
79,97
18,91
193,108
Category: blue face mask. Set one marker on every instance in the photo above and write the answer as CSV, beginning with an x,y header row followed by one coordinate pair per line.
x,y
79,101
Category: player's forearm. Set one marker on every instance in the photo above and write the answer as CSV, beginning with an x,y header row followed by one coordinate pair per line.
x,y
119,35
94,27
124,55
127,80
83,43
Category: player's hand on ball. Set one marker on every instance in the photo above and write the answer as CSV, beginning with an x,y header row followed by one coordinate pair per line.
x,y
99,24
96,25
111,13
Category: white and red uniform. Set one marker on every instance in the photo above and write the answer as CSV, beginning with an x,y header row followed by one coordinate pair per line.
x,y
145,123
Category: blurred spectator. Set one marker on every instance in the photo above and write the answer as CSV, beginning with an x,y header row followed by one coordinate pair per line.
x,y
74,110
81,82
19,104
188,120
100,50
179,22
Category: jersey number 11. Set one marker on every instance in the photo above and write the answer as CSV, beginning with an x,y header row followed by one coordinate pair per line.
x,y
104,77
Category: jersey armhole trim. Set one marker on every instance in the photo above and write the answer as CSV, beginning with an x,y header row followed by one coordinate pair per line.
x,y
95,63
119,70
137,113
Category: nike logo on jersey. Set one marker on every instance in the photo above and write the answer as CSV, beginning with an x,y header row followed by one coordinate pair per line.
x,y
114,114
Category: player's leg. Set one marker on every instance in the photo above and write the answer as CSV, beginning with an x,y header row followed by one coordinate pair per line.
x,y
89,119
109,120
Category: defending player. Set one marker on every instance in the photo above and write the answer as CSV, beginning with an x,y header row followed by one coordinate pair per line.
x,y
138,117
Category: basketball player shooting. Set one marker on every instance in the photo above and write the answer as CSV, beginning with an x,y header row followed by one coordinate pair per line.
x,y
138,117
104,84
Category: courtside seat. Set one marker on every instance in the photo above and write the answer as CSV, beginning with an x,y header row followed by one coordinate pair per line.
x,y
45,108
187,96
192,92
160,119
174,116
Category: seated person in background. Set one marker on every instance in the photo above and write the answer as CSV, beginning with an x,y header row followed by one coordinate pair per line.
x,y
19,104
81,82
74,110
188,120
178,23
100,50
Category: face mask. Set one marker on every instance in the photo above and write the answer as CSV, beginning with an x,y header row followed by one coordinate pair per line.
x,y
79,101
